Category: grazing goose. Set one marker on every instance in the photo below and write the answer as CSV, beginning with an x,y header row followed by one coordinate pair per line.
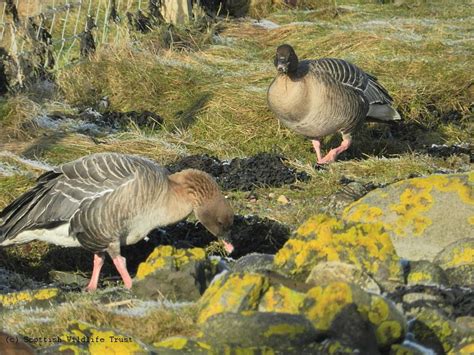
x,y
319,97
106,200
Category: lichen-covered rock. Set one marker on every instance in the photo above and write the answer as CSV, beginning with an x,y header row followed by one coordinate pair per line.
x,y
323,305
168,257
433,330
423,215
234,292
457,259
423,272
262,329
182,345
177,274
281,299
36,298
253,262
332,271
82,338
325,239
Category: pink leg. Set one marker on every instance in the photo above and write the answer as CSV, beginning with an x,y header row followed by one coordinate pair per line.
x,y
120,264
98,262
317,148
333,153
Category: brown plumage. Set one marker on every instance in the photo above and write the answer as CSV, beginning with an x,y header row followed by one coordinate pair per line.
x,y
316,98
103,201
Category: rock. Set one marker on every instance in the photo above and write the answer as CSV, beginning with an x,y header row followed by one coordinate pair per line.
x,y
415,212
282,299
177,12
328,272
325,239
232,293
435,331
457,259
177,274
423,272
466,322
181,345
283,200
13,344
36,298
259,329
253,262
82,338
327,306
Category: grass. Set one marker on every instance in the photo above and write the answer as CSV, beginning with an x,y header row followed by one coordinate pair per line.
x,y
211,90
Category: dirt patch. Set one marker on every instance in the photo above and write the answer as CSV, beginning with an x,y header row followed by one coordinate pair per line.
x,y
261,170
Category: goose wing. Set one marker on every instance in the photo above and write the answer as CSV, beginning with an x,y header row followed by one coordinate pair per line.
x,y
351,75
59,193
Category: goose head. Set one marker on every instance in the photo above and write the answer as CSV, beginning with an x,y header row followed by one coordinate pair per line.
x,y
208,203
217,216
286,60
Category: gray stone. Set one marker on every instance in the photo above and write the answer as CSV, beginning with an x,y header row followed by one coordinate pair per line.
x,y
254,262
423,215
252,329
331,271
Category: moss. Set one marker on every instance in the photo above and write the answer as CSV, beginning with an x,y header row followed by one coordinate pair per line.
x,y
281,299
232,293
168,256
16,298
321,238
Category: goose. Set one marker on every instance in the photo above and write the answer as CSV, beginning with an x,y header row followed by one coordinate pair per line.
x,y
316,98
106,200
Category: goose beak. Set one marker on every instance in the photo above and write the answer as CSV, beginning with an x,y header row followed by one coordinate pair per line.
x,y
225,239
282,68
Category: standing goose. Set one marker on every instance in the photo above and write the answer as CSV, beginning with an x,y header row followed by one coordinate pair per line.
x,y
320,97
106,200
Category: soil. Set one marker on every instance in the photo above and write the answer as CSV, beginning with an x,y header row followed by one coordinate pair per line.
x,y
261,170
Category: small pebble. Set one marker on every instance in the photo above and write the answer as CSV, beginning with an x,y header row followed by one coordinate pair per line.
x,y
283,200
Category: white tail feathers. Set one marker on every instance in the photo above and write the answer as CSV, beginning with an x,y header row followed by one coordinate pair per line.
x,y
383,113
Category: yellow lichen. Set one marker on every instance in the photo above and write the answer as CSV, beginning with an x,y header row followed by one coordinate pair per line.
x,y
418,276
461,256
410,212
113,344
175,343
289,330
379,310
467,349
388,332
367,246
327,303
235,293
167,255
14,298
281,299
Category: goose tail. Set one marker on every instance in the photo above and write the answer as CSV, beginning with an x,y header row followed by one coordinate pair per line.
x,y
383,113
